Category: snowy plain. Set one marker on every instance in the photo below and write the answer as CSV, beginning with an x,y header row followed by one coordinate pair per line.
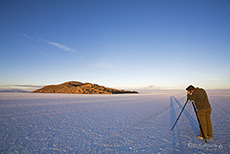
x,y
127,123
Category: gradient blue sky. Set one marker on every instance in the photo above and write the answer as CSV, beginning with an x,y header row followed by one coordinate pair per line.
x,y
152,44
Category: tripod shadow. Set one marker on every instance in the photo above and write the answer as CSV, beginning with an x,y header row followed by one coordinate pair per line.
x,y
194,124
176,132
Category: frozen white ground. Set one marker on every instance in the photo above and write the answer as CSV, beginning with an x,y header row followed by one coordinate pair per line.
x,y
62,123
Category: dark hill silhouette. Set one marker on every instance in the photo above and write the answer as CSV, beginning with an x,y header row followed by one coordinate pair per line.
x,y
74,87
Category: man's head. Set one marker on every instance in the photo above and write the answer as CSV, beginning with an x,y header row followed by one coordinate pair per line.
x,y
190,88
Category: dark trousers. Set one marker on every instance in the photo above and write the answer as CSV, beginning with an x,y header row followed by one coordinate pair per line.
x,y
204,116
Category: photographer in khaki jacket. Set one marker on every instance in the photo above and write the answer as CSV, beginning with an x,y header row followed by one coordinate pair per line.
x,y
200,98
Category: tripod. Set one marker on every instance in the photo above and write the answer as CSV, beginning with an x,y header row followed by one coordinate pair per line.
x,y
195,109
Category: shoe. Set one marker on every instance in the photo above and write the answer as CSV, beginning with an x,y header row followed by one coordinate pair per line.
x,y
200,137
210,138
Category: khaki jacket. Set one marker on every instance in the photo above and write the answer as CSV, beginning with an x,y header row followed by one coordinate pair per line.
x,y
200,99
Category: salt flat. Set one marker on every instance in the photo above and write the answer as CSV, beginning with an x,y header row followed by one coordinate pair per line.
x,y
127,123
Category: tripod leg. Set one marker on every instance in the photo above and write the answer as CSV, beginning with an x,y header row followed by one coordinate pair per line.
x,y
199,122
179,114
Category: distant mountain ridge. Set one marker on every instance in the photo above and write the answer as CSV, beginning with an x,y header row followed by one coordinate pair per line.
x,y
75,87
14,91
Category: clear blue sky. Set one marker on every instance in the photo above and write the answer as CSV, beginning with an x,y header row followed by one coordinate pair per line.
x,y
151,44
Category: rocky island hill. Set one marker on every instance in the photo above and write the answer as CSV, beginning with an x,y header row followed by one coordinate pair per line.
x,y
74,87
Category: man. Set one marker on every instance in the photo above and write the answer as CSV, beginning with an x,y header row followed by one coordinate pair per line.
x,y
200,98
